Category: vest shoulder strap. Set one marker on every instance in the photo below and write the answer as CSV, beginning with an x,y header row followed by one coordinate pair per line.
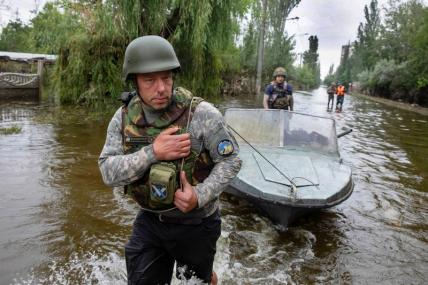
x,y
126,97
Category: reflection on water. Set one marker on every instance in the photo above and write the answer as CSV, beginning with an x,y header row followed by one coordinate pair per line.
x,y
60,225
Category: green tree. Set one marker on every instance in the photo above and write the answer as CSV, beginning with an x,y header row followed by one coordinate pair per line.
x,y
271,17
419,60
90,60
330,76
51,29
366,47
402,22
366,50
249,48
343,74
279,45
310,60
305,78
15,37
310,57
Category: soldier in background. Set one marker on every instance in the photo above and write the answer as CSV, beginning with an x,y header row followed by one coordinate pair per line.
x,y
331,90
279,93
175,156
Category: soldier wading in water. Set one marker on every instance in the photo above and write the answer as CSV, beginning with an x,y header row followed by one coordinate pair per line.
x,y
174,156
278,94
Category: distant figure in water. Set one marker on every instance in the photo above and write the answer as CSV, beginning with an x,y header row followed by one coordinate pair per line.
x,y
174,154
340,92
330,91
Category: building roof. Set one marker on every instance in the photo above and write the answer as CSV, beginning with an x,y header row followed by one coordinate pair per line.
x,y
26,56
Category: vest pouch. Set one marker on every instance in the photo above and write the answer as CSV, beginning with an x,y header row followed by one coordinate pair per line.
x,y
280,102
162,182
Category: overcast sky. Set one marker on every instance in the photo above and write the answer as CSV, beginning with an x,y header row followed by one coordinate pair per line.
x,y
335,22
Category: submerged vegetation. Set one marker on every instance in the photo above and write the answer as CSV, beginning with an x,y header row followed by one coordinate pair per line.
x,y
10,130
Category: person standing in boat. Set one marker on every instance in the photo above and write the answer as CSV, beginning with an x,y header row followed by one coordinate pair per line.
x,y
331,90
174,156
340,97
279,93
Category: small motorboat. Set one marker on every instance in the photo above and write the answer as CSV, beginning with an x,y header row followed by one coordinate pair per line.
x,y
290,162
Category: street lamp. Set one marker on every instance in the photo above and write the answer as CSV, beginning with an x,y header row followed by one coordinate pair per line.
x,y
300,35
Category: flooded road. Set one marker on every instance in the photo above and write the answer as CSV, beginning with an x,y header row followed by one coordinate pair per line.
x,y
60,225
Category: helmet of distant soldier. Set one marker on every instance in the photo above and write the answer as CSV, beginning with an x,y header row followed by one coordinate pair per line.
x,y
279,71
149,54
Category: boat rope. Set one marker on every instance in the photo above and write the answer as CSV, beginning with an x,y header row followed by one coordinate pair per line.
x,y
313,184
187,128
293,185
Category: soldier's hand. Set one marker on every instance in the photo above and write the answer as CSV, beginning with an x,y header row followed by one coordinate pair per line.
x,y
168,146
185,199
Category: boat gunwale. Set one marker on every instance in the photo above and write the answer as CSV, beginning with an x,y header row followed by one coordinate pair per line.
x,y
348,189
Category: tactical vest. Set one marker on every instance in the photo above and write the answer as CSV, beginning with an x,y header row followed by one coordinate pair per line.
x,y
280,98
137,133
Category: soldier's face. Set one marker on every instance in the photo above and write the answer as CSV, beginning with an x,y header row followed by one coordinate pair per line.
x,y
280,79
155,88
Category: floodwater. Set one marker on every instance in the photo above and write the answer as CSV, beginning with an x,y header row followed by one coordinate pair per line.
x,y
60,225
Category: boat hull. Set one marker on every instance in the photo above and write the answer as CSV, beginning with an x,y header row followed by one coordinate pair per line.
x,y
285,214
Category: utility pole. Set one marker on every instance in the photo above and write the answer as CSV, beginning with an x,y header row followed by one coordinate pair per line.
x,y
261,45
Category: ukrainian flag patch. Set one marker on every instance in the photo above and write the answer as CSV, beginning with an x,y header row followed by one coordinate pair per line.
x,y
225,148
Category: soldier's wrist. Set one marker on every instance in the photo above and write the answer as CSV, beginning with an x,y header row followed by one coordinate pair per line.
x,y
151,158
201,198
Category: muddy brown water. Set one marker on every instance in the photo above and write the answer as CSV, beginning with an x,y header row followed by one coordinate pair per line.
x,y
60,225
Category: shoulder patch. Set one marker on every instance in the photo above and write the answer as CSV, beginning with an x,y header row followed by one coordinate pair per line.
x,y
225,147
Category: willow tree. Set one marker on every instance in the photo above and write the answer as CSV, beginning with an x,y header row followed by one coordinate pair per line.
x,y
89,63
204,33
87,70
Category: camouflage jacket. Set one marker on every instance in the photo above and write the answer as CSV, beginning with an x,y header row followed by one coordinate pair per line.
x,y
207,131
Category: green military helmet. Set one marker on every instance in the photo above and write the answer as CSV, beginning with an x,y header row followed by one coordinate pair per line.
x,y
279,71
149,54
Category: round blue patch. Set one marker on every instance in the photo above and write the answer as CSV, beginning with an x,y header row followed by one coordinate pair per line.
x,y
225,147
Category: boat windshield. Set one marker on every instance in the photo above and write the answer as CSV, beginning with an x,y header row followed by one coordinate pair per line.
x,y
280,128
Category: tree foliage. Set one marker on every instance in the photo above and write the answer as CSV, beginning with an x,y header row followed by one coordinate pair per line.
x,y
267,44
14,37
329,79
201,32
90,37
310,60
389,56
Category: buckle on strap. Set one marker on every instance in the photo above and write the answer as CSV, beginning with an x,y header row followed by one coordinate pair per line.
x,y
160,217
